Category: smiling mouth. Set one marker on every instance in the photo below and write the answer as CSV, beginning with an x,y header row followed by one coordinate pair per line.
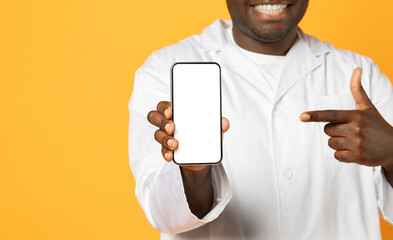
x,y
270,9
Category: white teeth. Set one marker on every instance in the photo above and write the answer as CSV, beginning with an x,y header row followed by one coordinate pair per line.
x,y
272,9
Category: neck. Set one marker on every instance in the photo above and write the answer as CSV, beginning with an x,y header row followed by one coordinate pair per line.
x,y
279,48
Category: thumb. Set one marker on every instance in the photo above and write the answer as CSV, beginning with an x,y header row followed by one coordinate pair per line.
x,y
358,93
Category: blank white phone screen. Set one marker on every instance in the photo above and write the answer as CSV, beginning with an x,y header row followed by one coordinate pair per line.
x,y
196,106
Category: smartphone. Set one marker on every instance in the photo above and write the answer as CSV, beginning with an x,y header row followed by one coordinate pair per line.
x,y
197,112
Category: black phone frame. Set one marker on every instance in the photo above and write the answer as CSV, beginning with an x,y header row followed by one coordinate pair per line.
x,y
173,112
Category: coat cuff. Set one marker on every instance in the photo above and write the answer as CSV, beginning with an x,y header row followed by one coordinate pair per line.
x,y
385,196
176,216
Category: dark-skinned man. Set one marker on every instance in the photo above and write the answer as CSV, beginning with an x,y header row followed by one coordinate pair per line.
x,y
326,175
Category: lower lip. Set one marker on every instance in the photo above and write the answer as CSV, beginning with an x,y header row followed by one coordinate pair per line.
x,y
265,16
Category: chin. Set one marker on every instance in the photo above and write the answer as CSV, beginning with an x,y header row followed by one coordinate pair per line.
x,y
271,36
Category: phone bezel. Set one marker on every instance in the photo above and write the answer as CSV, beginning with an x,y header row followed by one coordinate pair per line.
x,y
173,112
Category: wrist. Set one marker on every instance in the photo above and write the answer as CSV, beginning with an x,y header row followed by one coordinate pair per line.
x,y
196,173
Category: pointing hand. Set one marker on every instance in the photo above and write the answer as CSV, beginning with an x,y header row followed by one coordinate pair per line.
x,y
360,136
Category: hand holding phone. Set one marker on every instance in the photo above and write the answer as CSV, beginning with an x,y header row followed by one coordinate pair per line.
x,y
196,88
162,118
197,179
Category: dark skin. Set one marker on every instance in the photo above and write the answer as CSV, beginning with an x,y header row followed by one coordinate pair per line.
x,y
259,33
197,179
360,136
254,33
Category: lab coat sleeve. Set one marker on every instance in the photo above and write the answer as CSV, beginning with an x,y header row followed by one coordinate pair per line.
x,y
381,94
159,187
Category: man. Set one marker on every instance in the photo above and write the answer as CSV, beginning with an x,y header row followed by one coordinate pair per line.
x,y
322,176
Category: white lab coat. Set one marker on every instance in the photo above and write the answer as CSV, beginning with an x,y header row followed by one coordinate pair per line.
x,y
278,178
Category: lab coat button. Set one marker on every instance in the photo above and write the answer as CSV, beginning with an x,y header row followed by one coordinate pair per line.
x,y
277,111
287,174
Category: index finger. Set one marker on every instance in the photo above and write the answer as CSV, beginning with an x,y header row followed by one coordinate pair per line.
x,y
333,116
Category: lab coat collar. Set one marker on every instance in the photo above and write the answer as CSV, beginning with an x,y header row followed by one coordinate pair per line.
x,y
213,38
301,59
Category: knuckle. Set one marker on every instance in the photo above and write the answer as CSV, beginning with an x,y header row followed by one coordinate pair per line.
x,y
331,142
159,105
164,140
339,145
164,150
344,157
162,105
163,123
340,157
149,115
156,134
358,142
315,116
333,115
330,129
358,129
327,128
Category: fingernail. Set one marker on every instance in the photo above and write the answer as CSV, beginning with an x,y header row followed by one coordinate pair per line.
x,y
166,155
166,112
167,127
169,143
305,117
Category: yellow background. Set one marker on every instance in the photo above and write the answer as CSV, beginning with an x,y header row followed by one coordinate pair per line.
x,y
66,75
